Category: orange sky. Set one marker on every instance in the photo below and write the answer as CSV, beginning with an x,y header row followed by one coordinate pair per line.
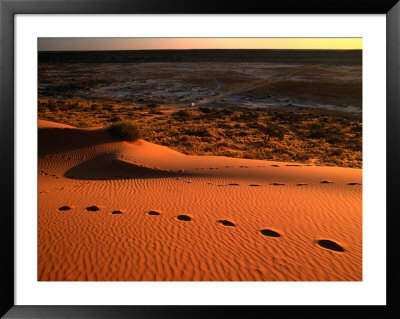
x,y
56,44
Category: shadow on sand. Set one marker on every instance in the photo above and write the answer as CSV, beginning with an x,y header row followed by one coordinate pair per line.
x,y
109,167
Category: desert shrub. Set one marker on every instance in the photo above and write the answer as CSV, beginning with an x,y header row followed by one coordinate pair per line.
x,y
355,146
108,107
356,128
241,133
52,106
272,131
155,112
224,125
343,122
95,107
211,116
333,130
228,154
184,139
125,131
227,111
205,109
67,106
302,156
334,140
228,133
42,107
200,131
252,125
248,116
235,118
207,139
183,114
114,119
252,154
317,131
337,152
223,144
209,148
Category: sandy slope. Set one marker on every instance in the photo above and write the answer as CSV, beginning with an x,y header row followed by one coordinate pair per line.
x,y
83,168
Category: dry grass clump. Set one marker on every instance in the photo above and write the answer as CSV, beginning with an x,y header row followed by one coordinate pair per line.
x,y
124,131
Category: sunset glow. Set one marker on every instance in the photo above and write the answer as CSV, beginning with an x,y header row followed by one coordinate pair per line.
x,y
81,44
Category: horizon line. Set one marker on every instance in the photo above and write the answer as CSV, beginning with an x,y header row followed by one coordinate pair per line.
x,y
197,49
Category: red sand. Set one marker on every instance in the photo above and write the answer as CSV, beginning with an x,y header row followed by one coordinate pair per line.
x,y
229,201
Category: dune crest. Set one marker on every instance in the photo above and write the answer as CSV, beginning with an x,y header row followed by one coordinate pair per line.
x,y
50,124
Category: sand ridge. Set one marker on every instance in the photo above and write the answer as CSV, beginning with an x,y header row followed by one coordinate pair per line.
x,y
111,210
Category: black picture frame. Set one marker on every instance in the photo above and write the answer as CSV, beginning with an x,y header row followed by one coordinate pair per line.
x,y
9,8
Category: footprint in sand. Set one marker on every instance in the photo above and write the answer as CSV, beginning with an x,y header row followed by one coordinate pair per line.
x,y
184,218
352,184
254,185
92,208
274,165
64,208
116,212
301,184
326,182
270,233
226,223
154,213
243,166
277,184
233,184
331,245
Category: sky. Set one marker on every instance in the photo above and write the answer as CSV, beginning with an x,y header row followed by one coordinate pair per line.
x,y
83,44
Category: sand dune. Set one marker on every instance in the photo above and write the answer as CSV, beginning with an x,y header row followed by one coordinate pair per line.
x,y
112,210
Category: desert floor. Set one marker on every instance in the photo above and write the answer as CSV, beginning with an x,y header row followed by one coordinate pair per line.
x,y
111,211
217,108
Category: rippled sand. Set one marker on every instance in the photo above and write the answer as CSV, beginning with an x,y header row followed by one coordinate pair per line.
x,y
113,211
